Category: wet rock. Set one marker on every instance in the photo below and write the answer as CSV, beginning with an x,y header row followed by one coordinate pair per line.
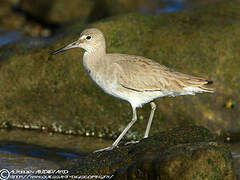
x,y
107,8
41,90
57,11
181,153
8,18
13,19
60,11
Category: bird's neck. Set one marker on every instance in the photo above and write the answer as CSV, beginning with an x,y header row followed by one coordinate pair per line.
x,y
92,58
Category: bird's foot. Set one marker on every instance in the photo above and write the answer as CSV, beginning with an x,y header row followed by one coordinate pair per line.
x,y
105,149
131,142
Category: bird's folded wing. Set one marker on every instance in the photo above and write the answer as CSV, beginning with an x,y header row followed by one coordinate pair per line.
x,y
142,74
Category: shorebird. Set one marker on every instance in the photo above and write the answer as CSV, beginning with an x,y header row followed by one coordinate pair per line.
x,y
135,79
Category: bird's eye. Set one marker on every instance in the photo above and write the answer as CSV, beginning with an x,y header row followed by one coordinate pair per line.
x,y
88,37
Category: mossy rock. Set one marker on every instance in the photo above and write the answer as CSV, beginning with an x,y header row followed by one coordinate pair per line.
x,y
181,153
41,90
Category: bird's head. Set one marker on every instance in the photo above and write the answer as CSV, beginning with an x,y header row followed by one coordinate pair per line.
x,y
90,40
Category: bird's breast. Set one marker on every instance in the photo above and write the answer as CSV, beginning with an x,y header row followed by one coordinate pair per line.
x,y
101,74
101,79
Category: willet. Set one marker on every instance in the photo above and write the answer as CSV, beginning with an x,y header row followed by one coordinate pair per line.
x,y
135,79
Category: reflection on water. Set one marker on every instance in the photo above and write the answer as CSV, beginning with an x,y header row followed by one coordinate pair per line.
x,y
236,161
9,37
12,161
172,5
235,148
15,155
33,150
20,38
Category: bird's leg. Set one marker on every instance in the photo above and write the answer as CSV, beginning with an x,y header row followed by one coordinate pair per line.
x,y
134,119
153,107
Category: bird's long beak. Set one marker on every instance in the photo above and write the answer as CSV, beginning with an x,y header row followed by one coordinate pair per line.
x,y
70,46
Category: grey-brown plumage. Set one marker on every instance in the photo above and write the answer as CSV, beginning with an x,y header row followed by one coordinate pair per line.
x,y
135,79
143,74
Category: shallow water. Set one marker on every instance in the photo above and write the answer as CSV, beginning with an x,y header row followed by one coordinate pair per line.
x,y
235,148
27,153
8,37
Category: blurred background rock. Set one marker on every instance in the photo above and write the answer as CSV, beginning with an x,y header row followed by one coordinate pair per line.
x,y
40,18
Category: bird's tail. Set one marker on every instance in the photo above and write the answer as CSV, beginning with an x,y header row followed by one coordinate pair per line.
x,y
205,87
199,85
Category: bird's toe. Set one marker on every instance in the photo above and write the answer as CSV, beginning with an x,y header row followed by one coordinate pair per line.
x,y
105,149
131,142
